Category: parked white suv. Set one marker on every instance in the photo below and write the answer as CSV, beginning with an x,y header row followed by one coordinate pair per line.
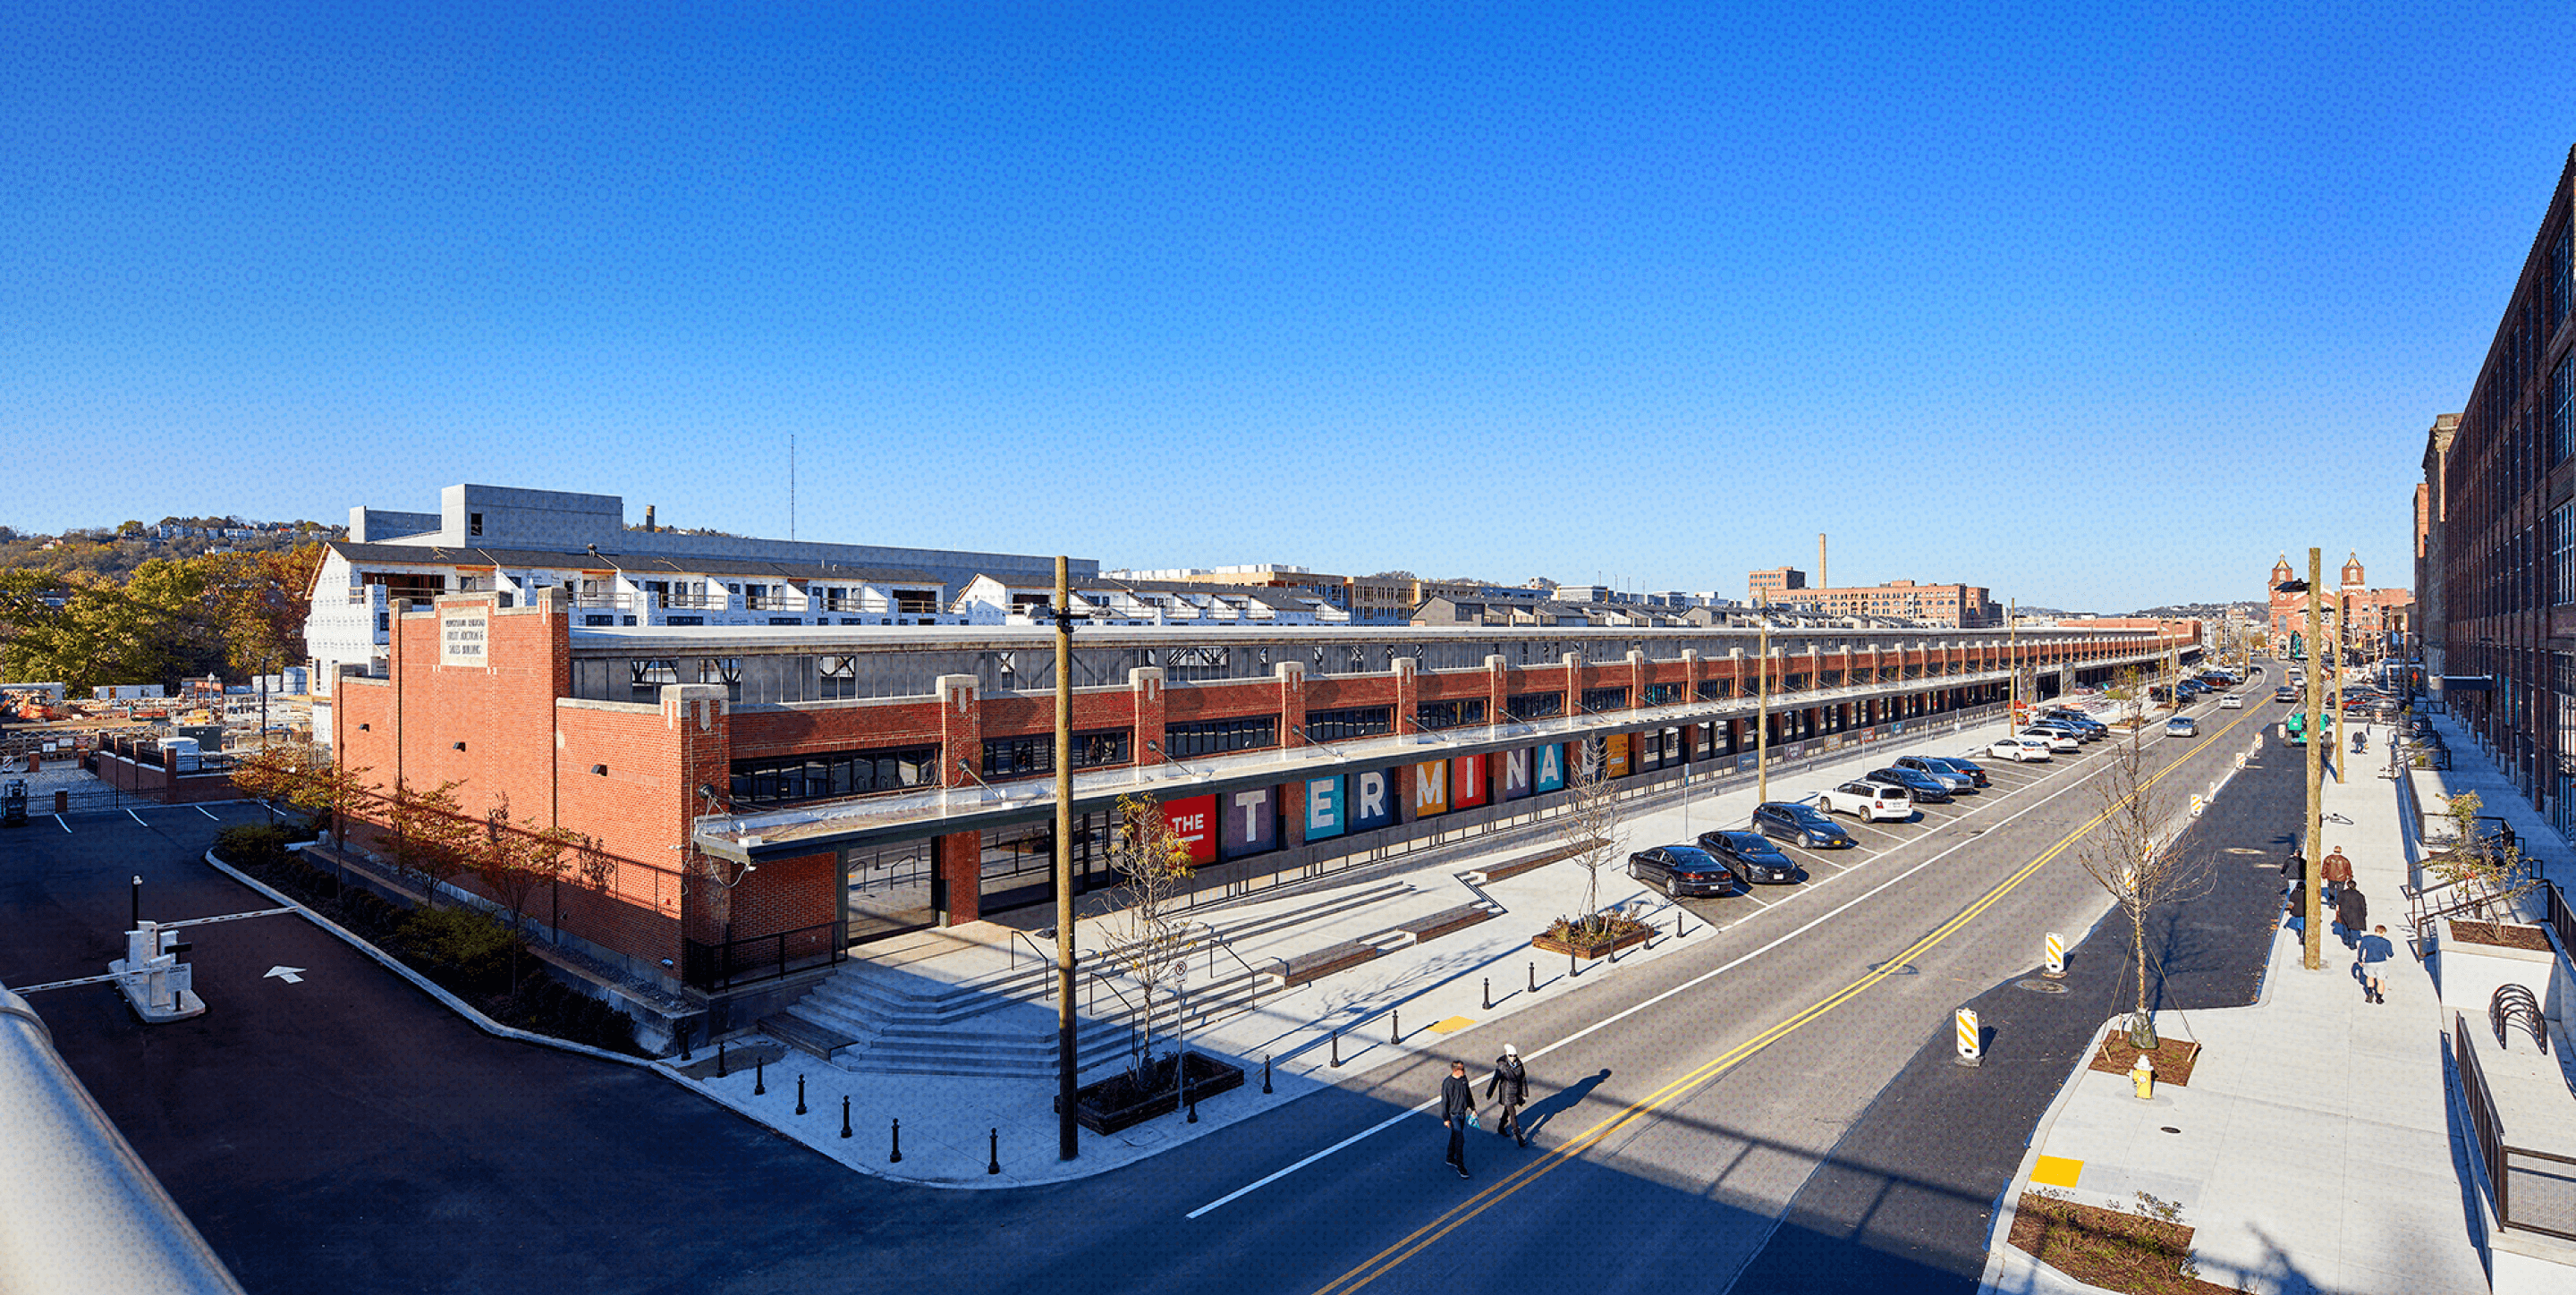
x,y
2020,749
2058,739
1868,801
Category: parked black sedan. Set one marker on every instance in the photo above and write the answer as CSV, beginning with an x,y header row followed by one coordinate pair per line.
x,y
1683,870
1968,769
1801,824
1926,789
1749,855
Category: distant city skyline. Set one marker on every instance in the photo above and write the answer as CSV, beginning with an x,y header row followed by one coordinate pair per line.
x,y
2097,308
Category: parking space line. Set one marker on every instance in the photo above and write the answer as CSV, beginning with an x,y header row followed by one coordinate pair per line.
x,y
202,810
58,822
136,817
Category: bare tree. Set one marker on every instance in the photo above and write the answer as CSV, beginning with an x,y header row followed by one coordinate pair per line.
x,y
2489,867
598,867
1143,937
1589,826
2129,856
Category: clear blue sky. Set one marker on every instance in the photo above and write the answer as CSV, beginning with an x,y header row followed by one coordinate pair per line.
x,y
2052,301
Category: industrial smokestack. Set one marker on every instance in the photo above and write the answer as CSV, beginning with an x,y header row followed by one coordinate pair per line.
x,y
1821,581
648,517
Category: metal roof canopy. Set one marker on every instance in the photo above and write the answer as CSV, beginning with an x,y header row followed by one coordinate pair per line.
x,y
789,833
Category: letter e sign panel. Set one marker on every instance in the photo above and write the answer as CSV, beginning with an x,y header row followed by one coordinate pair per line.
x,y
1194,822
1323,808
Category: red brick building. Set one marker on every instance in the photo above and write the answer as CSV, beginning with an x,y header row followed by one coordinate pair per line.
x,y
770,797
2372,618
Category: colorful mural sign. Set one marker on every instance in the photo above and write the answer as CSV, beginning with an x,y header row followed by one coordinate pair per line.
x,y
1194,821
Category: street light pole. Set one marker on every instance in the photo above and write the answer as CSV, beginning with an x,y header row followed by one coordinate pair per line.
x,y
2311,943
1068,1134
1762,704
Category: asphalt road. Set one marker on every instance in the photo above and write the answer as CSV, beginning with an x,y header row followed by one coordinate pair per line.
x,y
348,1134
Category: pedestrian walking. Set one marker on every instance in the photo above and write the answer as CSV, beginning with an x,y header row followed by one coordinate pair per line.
x,y
2375,952
2351,911
1457,1107
1511,1084
2338,873
2298,903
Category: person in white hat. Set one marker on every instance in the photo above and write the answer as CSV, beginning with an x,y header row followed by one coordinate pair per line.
x,y
1511,1083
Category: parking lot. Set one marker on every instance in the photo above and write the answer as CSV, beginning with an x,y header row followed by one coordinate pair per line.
x,y
2011,786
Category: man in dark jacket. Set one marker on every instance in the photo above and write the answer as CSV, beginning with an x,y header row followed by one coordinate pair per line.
x,y
1511,1083
1457,1106
2352,911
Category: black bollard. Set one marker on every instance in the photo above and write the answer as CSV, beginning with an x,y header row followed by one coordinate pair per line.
x,y
683,1032
994,1165
721,1072
760,1076
1533,977
1489,993
1265,1072
845,1117
1677,921
1337,1049
134,916
897,1157
1572,967
1395,1027
800,1094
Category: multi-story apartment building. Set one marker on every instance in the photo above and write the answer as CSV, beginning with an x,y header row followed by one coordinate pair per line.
x,y
515,543
1961,606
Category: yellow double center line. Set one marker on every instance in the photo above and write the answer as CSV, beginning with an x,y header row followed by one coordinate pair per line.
x,y
1383,1261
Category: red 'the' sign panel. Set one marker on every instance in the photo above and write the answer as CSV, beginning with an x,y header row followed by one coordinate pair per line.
x,y
1194,821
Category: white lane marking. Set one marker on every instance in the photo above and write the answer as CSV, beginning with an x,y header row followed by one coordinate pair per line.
x,y
136,817
58,822
290,975
1605,1023
202,810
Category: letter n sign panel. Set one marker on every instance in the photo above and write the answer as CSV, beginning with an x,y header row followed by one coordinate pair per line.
x,y
1516,774
1466,781
1324,808
1251,821
1194,822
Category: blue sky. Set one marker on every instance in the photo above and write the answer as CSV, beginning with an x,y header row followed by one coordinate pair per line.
x,y
2056,301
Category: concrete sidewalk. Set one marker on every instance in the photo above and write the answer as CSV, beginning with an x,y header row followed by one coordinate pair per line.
x,y
2312,1149
1435,990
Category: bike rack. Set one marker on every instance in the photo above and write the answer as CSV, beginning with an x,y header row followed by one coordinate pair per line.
x,y
2514,1005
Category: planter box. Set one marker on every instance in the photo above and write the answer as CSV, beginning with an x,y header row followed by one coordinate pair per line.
x,y
1594,949
1208,1077
2471,973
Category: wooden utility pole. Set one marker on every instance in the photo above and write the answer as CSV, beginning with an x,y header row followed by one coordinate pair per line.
x,y
2311,945
1068,1134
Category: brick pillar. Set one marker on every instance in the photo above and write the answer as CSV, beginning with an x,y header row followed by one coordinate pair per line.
x,y
960,860
961,730
1408,690
1498,688
1574,680
1637,677
1145,689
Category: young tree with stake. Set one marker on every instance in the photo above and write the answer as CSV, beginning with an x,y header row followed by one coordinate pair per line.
x,y
1144,939
2128,857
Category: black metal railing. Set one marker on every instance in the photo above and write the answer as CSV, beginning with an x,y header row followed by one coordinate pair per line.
x,y
2562,919
2493,1151
761,957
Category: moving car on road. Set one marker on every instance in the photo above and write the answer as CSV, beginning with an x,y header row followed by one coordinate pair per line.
x,y
1801,824
1682,870
2232,701
2182,726
1750,856
1868,801
2020,749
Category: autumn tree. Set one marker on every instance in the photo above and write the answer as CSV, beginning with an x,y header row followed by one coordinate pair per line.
x,y
431,838
513,861
2488,867
1589,827
1145,940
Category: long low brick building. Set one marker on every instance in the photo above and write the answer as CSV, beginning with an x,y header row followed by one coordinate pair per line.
x,y
771,798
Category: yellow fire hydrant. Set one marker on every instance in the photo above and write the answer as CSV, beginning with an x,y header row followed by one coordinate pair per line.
x,y
2143,1075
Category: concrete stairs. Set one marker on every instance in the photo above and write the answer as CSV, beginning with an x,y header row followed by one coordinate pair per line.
x,y
872,1019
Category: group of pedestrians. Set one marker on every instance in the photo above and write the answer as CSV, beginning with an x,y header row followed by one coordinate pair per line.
x,y
2351,909
1510,1084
